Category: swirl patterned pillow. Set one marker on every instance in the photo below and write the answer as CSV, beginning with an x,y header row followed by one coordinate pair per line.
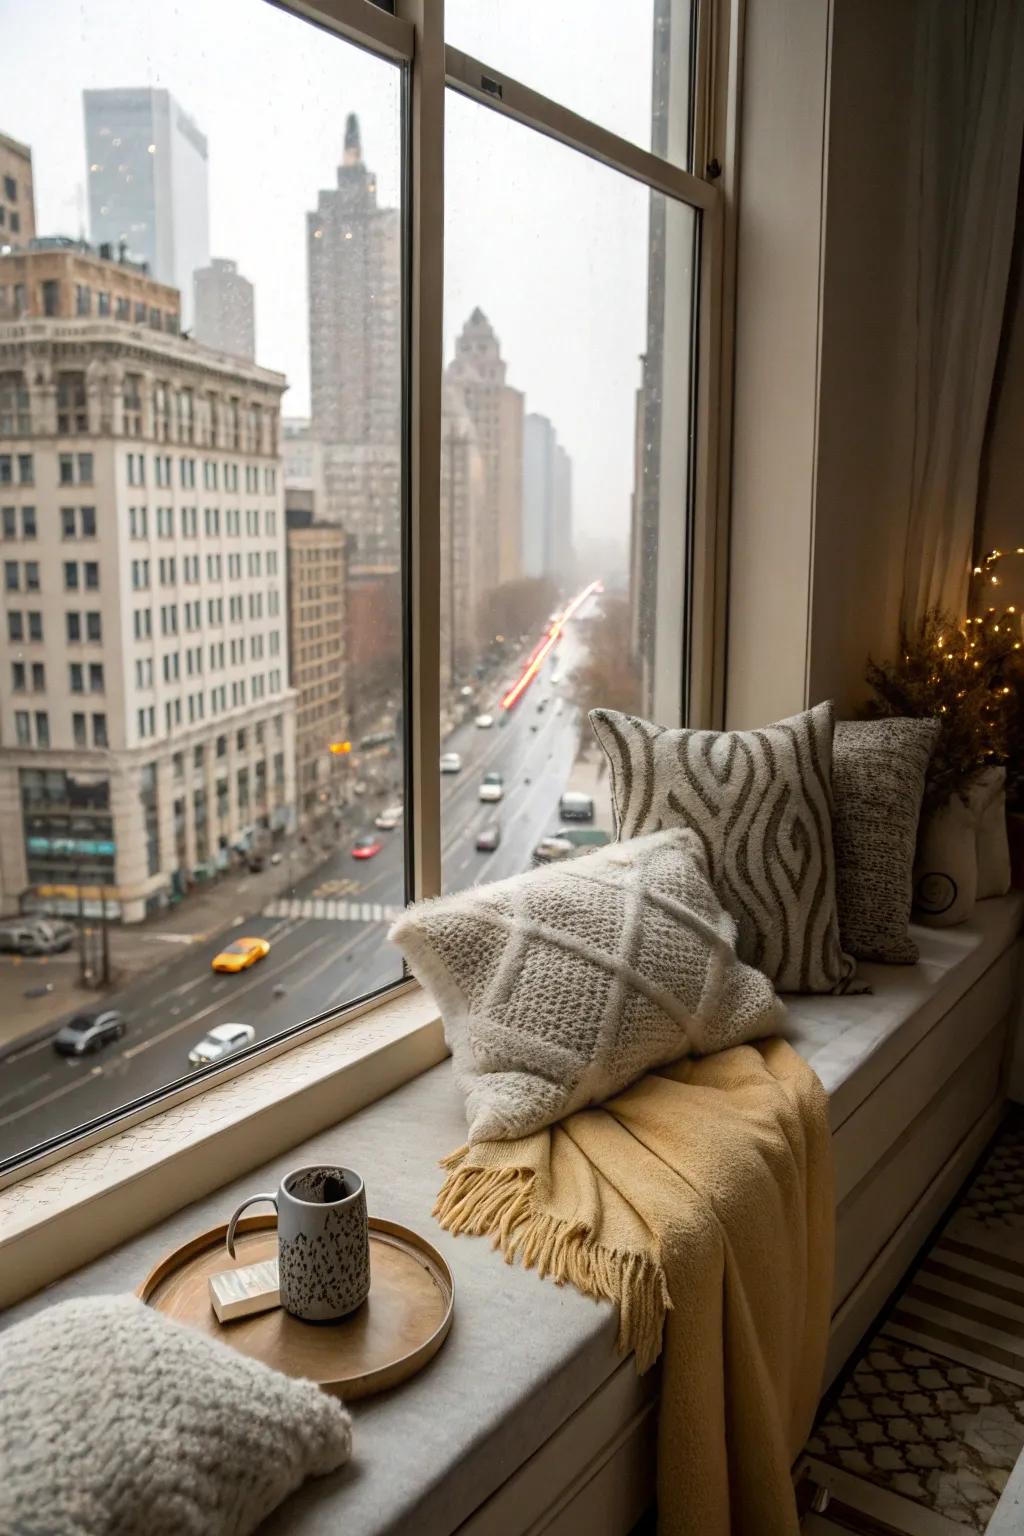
x,y
560,987
761,804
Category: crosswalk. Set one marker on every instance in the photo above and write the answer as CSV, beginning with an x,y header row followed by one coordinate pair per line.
x,y
333,911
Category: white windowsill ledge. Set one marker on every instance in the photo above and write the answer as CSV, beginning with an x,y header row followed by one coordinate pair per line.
x,y
58,1219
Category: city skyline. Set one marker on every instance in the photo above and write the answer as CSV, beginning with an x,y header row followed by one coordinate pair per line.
x,y
264,179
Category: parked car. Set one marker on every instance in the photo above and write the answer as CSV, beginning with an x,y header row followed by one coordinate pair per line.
x,y
223,1040
584,837
488,837
492,787
451,762
366,847
89,1031
484,722
550,849
389,818
36,936
574,806
240,954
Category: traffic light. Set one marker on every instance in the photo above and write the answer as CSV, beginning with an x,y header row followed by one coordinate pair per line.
x,y
339,748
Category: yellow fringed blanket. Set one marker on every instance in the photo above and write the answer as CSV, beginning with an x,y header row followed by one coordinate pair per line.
x,y
700,1201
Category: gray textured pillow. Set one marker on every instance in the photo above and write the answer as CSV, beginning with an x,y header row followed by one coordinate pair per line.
x,y
560,987
878,774
761,803
115,1420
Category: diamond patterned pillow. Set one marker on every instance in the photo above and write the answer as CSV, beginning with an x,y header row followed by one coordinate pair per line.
x,y
761,804
560,987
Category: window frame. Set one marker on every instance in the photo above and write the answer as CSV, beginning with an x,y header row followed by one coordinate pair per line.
x,y
413,38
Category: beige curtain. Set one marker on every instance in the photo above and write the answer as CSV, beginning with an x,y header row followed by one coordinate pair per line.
x,y
963,207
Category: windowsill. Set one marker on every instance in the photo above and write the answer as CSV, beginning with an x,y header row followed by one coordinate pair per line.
x,y
58,1219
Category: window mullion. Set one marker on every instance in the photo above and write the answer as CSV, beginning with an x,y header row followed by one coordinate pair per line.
x,y
425,257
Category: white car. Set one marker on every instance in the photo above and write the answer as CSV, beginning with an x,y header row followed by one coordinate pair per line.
x,y
451,762
388,819
484,722
223,1040
492,788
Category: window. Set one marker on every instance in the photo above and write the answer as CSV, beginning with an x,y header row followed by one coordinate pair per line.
x,y
66,468
26,469
22,728
94,626
12,576
84,468
73,627
51,296
563,428
76,677
83,299
35,625
15,626
71,407
9,522
99,731
95,677
71,575
67,522
92,575
103,303
42,728
78,730
31,576
15,411
6,469
18,676
28,522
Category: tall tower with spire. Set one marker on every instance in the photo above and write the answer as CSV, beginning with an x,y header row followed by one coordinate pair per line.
x,y
355,344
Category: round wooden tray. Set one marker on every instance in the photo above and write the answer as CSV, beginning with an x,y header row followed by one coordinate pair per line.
x,y
401,1326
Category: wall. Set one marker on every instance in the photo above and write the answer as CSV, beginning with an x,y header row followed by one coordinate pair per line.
x,y
823,420
865,400
1001,492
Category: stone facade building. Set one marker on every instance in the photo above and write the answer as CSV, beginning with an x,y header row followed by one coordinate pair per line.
x,y
17,194
317,634
146,720
225,309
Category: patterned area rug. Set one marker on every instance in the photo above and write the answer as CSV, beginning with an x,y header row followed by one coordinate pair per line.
x,y
930,1420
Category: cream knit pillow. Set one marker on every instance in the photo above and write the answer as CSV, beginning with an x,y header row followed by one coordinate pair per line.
x,y
114,1420
560,987
761,804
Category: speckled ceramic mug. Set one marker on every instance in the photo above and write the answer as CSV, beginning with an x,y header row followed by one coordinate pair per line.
x,y
323,1242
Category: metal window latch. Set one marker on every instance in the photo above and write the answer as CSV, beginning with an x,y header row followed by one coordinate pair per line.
x,y
492,87
714,170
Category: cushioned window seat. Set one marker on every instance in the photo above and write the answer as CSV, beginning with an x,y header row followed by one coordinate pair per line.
x,y
527,1420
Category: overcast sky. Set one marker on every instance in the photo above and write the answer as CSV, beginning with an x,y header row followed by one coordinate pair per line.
x,y
550,245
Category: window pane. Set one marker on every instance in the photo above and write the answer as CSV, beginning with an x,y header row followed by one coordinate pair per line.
x,y
234,548
626,67
564,478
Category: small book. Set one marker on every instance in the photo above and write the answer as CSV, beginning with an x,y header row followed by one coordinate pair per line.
x,y
243,1292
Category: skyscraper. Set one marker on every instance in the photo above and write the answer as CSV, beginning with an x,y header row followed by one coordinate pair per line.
x,y
462,498
355,338
547,501
496,411
147,177
225,311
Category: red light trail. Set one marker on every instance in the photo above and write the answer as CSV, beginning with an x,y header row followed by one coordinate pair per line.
x,y
542,649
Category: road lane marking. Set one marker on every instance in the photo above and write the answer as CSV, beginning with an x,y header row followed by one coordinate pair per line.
x,y
49,1098
44,1077
266,980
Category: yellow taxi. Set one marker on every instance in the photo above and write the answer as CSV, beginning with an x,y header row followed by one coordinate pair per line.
x,y
240,954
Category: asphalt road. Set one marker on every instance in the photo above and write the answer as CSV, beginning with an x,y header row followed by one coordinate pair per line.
x,y
316,961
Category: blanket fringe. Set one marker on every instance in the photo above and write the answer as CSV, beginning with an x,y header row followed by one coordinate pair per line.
x,y
499,1203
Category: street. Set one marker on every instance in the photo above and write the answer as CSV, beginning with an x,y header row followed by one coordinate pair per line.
x,y
327,933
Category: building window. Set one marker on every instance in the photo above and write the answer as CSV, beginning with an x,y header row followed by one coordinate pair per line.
x,y
12,576
73,627
22,728
15,413
42,728
94,626
78,730
35,625
72,415
18,676
83,299
51,297
103,304
132,396
96,677
85,469
99,731
76,677
66,468
9,522
26,469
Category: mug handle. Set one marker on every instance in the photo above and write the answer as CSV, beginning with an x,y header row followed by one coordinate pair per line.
x,y
250,1200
